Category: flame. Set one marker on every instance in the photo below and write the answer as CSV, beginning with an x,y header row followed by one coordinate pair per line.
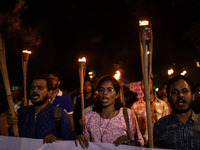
x,y
170,71
26,51
117,75
82,59
143,23
184,72
198,64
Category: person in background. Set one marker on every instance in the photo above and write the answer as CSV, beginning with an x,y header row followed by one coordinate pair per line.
x,y
159,109
180,129
106,123
17,96
162,94
129,97
59,99
88,98
196,97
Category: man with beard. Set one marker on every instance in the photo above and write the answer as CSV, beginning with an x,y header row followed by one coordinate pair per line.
x,y
59,99
39,120
180,129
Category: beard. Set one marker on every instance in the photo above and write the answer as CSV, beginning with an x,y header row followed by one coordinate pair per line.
x,y
55,87
40,103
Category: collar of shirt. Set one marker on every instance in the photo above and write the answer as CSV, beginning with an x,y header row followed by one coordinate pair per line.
x,y
60,93
193,117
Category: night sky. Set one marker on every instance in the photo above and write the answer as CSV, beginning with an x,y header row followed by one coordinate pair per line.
x,y
106,32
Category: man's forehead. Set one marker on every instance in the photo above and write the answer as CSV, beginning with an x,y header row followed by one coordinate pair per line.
x,y
39,82
180,84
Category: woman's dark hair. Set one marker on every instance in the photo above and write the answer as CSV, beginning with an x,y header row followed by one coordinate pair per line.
x,y
177,78
118,104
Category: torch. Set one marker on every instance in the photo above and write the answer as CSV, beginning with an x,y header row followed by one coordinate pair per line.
x,y
146,50
25,56
82,70
117,76
4,73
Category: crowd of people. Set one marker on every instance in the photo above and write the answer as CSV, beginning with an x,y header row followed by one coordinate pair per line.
x,y
53,115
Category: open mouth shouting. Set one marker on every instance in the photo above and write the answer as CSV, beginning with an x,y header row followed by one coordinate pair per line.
x,y
104,99
35,96
181,102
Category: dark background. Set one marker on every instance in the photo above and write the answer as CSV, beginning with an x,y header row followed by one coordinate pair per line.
x,y
106,32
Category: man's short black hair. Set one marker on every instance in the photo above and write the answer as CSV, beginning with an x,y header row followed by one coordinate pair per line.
x,y
44,77
56,74
177,78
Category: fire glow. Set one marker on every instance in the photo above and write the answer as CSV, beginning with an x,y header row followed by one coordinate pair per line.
x,y
82,59
143,22
170,72
117,75
26,51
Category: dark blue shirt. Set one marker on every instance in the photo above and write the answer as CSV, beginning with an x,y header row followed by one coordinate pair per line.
x,y
40,125
170,133
62,101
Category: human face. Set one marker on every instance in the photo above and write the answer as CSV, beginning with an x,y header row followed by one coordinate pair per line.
x,y
107,94
151,86
88,87
55,81
180,96
197,94
39,92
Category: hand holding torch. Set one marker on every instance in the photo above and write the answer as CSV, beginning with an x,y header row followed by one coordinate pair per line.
x,y
7,85
146,50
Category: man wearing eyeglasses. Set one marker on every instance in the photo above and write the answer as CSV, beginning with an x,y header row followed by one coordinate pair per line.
x,y
196,97
59,99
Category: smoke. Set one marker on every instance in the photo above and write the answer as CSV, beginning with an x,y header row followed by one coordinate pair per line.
x,y
13,26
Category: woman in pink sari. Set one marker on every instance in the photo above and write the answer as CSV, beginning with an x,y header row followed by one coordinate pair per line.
x,y
106,123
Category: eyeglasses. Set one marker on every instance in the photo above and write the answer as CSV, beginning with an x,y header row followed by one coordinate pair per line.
x,y
110,90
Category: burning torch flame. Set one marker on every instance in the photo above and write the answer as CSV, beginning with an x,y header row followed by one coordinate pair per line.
x,y
82,59
184,72
117,75
143,23
26,51
198,64
170,71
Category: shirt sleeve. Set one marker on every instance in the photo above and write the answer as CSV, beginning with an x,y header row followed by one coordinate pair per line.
x,y
66,128
68,105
